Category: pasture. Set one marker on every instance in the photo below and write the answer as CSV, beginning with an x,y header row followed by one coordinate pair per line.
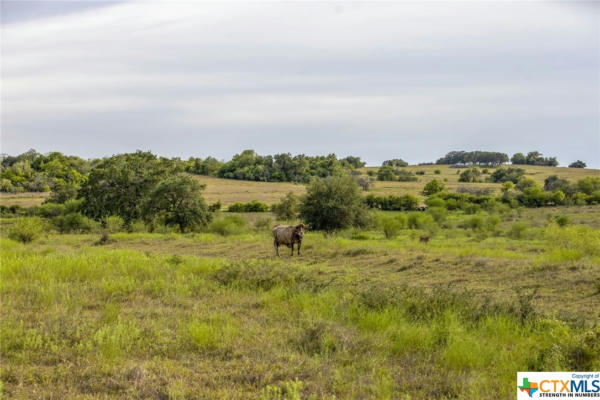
x,y
204,315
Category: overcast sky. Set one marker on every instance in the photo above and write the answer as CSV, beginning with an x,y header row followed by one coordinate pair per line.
x,y
409,80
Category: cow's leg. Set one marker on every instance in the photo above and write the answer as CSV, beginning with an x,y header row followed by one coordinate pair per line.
x,y
299,244
276,247
292,247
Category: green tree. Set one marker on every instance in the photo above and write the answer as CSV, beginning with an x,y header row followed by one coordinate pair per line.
x,y
178,199
577,164
432,187
333,203
119,184
518,159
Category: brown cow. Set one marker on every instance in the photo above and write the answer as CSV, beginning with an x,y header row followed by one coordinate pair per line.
x,y
288,235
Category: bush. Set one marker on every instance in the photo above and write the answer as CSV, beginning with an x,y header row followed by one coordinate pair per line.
x,y
73,205
26,229
438,213
287,208
405,176
419,220
562,220
406,202
252,206
437,172
137,226
432,187
50,210
227,225
507,174
391,226
215,206
435,202
333,203
420,172
263,224
476,223
386,173
470,175
517,230
74,223
113,224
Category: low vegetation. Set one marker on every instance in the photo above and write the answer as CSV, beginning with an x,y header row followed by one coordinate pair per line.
x,y
141,289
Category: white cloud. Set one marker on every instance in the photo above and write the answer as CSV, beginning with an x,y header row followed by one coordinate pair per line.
x,y
421,78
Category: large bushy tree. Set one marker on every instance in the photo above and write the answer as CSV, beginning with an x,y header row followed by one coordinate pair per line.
x,y
119,184
178,200
577,164
333,203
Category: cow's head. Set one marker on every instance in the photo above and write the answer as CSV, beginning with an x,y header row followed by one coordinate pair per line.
x,y
299,232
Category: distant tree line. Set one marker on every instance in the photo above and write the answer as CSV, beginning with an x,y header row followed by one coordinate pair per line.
x,y
533,158
35,172
284,167
490,158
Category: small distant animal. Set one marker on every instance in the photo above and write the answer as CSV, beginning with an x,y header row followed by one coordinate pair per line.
x,y
288,235
422,208
424,239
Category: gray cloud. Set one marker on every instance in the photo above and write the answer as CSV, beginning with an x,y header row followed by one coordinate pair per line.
x,y
379,80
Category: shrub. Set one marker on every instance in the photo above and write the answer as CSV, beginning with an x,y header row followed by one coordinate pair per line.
x,y
215,206
470,175
432,187
405,176
438,213
562,220
507,174
419,220
26,229
113,224
74,222
391,226
137,226
435,202
517,230
227,225
50,210
475,222
437,172
252,206
263,224
406,202
287,208
386,173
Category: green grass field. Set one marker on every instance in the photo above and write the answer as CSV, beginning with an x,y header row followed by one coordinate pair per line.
x,y
171,316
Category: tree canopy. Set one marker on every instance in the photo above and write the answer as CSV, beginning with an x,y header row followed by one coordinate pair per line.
x,y
333,203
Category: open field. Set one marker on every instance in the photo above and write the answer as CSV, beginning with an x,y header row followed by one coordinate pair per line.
x,y
229,191
27,199
165,315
